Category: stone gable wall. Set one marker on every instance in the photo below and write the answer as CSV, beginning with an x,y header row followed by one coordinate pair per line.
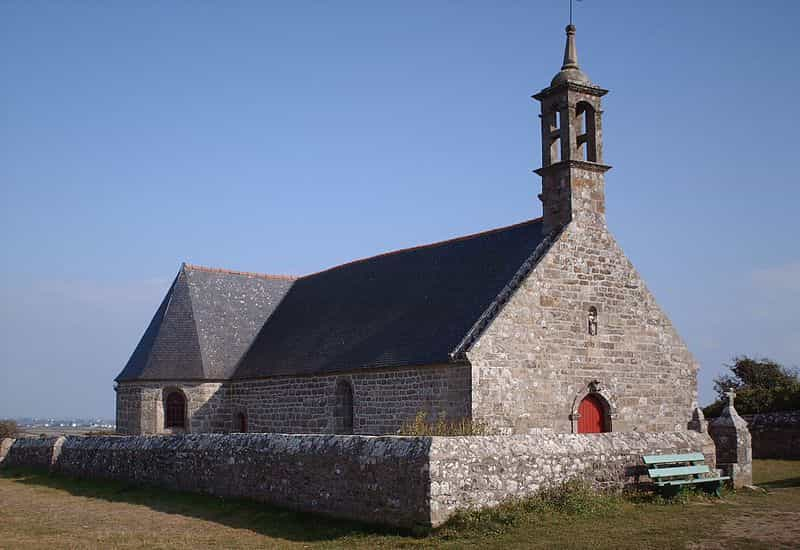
x,y
401,481
382,401
536,359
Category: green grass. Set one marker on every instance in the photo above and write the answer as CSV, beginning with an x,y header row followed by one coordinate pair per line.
x,y
40,510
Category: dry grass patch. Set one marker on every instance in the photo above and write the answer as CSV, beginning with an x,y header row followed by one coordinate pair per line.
x,y
48,511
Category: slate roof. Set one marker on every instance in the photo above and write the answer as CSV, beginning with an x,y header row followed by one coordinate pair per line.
x,y
410,307
416,306
204,324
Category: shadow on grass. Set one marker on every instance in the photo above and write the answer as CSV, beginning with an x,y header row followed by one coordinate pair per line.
x,y
258,517
781,483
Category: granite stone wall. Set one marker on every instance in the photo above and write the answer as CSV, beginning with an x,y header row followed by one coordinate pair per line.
x,y
402,481
775,435
5,446
30,452
140,407
733,444
368,479
537,359
477,472
382,400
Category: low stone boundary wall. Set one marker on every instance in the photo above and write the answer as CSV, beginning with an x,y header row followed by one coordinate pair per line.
x,y
402,481
30,452
476,472
775,435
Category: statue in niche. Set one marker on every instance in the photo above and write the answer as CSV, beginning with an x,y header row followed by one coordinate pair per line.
x,y
592,321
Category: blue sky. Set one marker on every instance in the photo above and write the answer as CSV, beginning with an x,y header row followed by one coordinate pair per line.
x,y
286,137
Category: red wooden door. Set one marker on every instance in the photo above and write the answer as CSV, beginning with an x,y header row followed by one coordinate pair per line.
x,y
592,417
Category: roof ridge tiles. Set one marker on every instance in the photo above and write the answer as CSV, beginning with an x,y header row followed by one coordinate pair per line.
x,y
242,273
429,245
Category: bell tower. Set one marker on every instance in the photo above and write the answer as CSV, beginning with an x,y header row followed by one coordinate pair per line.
x,y
573,181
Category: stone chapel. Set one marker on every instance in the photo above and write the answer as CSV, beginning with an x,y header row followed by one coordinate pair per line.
x,y
544,325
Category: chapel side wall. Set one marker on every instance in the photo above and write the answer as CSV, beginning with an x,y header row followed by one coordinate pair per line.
x,y
536,358
383,399
140,407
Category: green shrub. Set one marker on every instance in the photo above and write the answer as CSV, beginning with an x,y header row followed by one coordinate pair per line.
x,y
420,426
8,428
761,386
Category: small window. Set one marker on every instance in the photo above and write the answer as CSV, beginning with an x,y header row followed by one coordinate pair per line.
x,y
592,321
241,423
343,408
175,416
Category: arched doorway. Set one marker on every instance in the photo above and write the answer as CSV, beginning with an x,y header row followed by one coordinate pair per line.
x,y
593,415
343,408
175,410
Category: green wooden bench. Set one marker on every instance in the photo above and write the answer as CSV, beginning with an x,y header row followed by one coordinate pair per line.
x,y
671,472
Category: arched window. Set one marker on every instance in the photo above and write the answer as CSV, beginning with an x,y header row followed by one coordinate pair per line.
x,y
586,130
593,415
240,423
343,408
551,136
175,414
592,321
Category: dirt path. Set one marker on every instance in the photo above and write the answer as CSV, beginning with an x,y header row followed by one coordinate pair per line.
x,y
755,527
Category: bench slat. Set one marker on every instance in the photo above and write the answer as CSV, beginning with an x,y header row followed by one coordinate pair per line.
x,y
678,471
691,481
666,459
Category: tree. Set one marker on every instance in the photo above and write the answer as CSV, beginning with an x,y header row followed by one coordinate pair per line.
x,y
761,385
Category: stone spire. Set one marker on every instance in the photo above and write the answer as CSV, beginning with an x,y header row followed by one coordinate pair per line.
x,y
570,71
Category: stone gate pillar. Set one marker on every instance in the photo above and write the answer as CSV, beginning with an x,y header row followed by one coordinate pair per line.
x,y
732,439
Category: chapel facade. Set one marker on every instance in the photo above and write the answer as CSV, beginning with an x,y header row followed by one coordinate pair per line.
x,y
541,325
